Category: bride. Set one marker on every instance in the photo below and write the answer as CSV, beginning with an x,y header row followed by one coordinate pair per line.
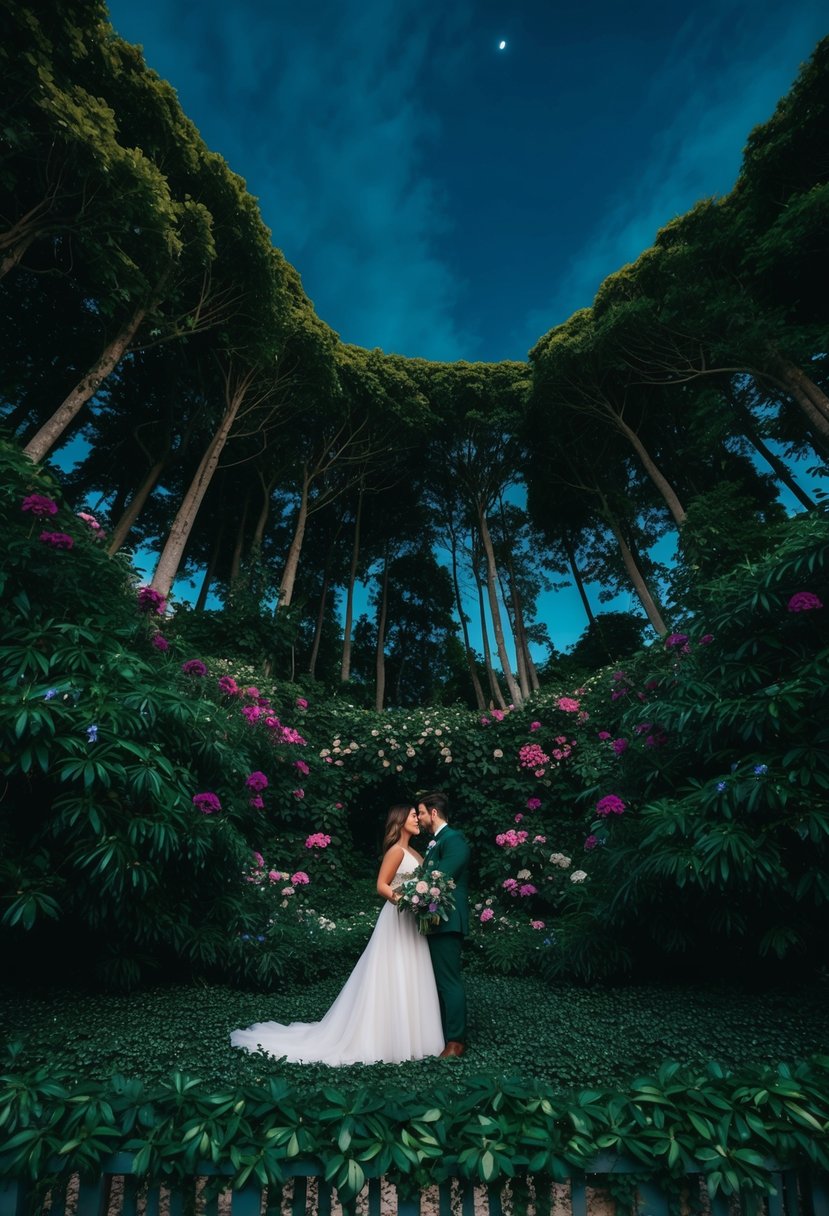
x,y
388,1010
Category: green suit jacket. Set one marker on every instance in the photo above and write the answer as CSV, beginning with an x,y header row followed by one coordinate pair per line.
x,y
449,853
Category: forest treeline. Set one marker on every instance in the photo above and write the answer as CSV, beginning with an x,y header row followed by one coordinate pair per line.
x,y
145,309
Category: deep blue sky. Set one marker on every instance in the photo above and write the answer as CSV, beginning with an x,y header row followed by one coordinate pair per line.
x,y
446,199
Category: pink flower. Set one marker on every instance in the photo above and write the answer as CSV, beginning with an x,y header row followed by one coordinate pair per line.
x,y
39,505
274,875
611,804
228,685
510,839
194,667
509,884
58,540
318,841
568,705
256,781
498,715
159,642
207,803
604,735
258,802
251,712
619,746
518,818
619,675
535,726
91,520
526,889
150,600
532,756
259,859
533,804
804,601
301,703
590,842
484,721
486,915
251,692
539,839
537,924
706,639
302,767
300,879
298,794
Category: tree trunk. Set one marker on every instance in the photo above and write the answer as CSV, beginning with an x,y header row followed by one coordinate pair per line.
x,y
652,469
262,518
470,657
636,577
136,504
807,395
521,648
170,560
48,435
13,255
345,666
239,546
571,557
380,662
286,587
315,649
494,608
210,570
778,466
492,680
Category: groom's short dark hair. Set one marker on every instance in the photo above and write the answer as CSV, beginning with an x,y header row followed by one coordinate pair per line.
x,y
436,801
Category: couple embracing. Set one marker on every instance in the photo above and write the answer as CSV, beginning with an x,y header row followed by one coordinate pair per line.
x,y
405,998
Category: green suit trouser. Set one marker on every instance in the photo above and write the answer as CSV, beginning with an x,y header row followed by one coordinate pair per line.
x,y
445,949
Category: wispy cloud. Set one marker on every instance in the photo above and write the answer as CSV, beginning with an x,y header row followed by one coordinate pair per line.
x,y
334,142
732,67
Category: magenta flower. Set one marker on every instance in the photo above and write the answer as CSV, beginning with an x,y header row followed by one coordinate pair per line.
x,y
228,685
535,726
150,600
256,781
39,505
590,842
527,889
259,860
604,735
318,840
251,712
299,794
300,879
532,756
706,639
619,675
302,767
58,540
484,721
533,804
159,641
537,924
619,746
498,715
252,692
676,639
257,802
568,705
194,667
518,817
510,839
207,803
804,601
510,884
301,703
611,804
486,915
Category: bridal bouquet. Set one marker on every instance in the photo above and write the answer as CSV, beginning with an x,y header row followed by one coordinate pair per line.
x,y
428,895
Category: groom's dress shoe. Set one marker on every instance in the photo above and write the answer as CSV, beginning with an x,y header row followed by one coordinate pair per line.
x,y
452,1050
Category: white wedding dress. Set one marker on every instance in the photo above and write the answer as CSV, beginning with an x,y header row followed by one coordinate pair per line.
x,y
388,1010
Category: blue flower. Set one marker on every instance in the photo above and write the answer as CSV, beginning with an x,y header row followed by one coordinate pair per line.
x,y
760,769
260,938
245,937
734,768
721,786
50,692
92,733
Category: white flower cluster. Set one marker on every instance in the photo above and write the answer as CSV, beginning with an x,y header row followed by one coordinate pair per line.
x,y
559,859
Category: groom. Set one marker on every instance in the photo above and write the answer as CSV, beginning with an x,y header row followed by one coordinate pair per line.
x,y
449,853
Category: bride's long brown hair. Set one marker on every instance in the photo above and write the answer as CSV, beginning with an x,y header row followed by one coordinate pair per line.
x,y
397,816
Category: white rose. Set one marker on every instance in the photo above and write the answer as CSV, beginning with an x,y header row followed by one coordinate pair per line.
x,y
578,876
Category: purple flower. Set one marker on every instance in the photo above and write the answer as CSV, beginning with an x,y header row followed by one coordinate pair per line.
x,y
301,703
533,804
228,685
49,694
194,667
39,505
604,735
159,641
207,803
58,540
258,802
721,786
150,600
619,746
706,639
761,769
535,726
611,804
675,639
590,842
257,781
526,889
251,712
804,601
92,733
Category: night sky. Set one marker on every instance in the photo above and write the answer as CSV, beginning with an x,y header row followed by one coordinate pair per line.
x,y
446,199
